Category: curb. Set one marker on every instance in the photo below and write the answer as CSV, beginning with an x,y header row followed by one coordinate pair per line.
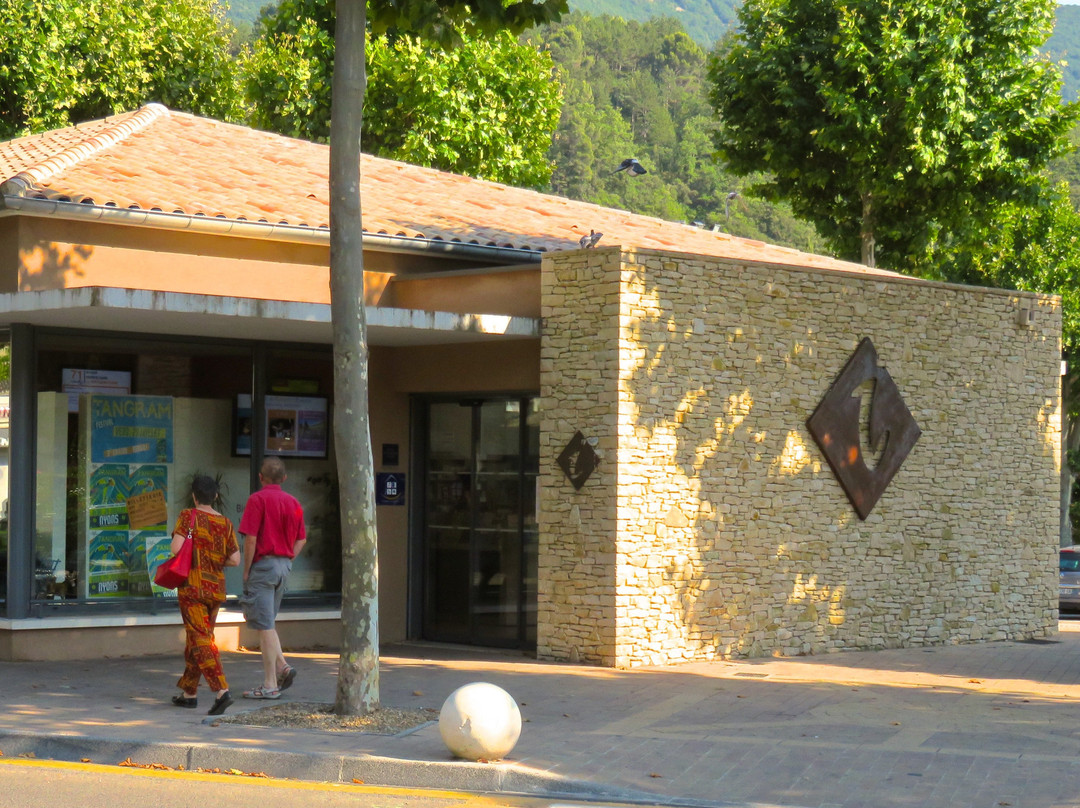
x,y
492,778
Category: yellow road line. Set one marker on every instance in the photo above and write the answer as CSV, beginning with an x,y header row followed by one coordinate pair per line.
x,y
299,785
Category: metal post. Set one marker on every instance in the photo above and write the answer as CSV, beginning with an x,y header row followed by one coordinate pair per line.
x,y
21,493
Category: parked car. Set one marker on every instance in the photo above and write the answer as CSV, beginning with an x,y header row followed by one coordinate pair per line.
x,y
1069,578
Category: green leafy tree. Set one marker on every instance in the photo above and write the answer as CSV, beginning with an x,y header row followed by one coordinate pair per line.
x,y
440,21
486,107
67,61
890,125
1036,248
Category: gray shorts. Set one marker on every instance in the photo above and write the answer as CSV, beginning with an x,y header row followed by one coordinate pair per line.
x,y
263,591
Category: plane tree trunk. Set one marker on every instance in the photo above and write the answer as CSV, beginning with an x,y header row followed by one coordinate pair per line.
x,y
358,668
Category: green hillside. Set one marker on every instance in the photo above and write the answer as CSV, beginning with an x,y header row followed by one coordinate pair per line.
x,y
704,20
707,20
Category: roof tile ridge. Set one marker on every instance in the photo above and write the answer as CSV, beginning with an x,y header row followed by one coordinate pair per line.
x,y
129,124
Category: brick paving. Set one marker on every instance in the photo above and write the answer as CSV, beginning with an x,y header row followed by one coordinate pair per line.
x,y
973,726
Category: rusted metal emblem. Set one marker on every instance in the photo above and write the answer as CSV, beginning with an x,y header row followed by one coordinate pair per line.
x,y
836,428
578,460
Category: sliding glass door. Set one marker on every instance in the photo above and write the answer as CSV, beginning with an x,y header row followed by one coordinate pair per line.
x,y
479,534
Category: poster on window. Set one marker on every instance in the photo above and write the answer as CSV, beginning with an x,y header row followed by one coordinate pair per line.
x,y
126,509
131,429
296,426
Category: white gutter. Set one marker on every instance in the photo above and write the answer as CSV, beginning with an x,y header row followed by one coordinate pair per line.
x,y
11,202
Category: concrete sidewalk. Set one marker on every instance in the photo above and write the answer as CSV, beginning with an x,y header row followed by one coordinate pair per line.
x,y
977,725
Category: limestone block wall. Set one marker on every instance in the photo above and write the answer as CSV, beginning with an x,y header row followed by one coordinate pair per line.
x,y
714,527
579,390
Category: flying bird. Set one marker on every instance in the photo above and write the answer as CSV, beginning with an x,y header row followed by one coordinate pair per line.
x,y
632,165
727,204
590,240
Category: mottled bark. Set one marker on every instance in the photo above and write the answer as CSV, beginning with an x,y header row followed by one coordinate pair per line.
x,y
358,670
866,231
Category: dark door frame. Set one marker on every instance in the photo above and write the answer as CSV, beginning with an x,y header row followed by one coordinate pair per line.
x,y
420,424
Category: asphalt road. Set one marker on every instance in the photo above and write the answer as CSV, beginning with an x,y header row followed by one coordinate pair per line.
x,y
28,782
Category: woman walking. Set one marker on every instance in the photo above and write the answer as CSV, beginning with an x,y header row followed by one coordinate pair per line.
x,y
200,598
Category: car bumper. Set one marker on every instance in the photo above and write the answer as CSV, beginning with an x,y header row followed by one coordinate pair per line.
x,y
1069,597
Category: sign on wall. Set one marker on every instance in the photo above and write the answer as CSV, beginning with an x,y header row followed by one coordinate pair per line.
x,y
837,429
76,381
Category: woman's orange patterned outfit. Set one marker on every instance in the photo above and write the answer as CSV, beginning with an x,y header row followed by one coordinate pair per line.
x,y
202,596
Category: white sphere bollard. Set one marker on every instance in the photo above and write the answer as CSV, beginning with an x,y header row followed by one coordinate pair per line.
x,y
480,721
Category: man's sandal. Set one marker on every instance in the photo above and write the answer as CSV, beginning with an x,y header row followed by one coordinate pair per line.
x,y
286,678
262,693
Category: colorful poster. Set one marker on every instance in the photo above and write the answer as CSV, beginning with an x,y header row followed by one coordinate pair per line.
x,y
156,551
117,562
107,561
296,426
131,429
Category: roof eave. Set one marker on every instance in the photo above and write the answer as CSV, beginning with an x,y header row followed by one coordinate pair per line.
x,y
17,204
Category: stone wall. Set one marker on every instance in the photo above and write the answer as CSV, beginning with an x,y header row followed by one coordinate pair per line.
x,y
714,527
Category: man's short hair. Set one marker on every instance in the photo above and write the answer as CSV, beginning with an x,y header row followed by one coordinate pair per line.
x,y
273,469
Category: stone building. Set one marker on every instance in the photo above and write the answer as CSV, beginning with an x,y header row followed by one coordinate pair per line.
x,y
658,449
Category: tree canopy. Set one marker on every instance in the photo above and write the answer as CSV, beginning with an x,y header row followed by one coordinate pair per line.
x,y
68,61
639,89
891,124
486,107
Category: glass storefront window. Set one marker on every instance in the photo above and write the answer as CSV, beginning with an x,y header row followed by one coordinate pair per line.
x,y
120,434
300,383
121,431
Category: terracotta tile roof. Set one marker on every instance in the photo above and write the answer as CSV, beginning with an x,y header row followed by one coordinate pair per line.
x,y
158,159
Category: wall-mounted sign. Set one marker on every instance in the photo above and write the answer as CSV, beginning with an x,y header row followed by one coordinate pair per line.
x,y
389,488
147,509
295,426
836,427
578,460
76,381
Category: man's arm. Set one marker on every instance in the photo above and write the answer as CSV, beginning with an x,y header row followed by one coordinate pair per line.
x,y
298,546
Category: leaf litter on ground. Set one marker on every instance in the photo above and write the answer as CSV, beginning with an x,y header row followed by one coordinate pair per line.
x,y
321,716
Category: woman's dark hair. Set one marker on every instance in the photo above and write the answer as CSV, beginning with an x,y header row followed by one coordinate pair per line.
x,y
205,489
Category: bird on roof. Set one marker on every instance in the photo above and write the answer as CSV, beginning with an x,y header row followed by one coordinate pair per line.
x,y
590,240
632,165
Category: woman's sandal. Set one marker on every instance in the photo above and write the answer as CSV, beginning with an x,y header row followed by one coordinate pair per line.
x,y
262,693
180,700
221,703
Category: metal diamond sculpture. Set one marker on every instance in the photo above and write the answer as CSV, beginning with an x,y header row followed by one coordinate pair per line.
x,y
835,427
578,460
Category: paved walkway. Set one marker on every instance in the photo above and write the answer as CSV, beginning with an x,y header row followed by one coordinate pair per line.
x,y
976,726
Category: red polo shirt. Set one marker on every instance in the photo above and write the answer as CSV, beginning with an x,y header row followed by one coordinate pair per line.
x,y
275,519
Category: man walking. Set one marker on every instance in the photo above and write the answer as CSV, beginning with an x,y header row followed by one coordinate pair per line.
x,y
274,534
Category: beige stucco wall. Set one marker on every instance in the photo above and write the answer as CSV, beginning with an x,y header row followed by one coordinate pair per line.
x,y
714,526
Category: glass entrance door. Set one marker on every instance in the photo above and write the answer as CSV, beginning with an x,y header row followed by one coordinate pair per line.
x,y
479,526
